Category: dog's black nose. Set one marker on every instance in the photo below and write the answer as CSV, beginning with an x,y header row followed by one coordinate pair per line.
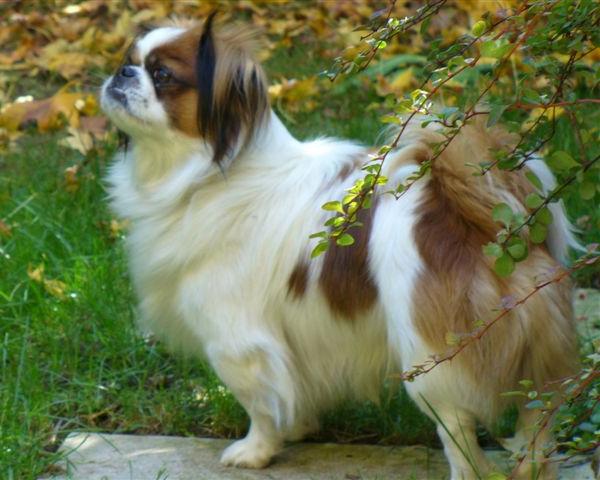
x,y
127,71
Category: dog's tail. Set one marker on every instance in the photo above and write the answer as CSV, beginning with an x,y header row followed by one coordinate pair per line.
x,y
471,197
561,232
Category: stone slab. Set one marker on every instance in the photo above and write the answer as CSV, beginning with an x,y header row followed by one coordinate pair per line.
x,y
94,456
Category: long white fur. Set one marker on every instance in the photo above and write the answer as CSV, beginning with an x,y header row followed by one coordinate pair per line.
x,y
560,237
211,256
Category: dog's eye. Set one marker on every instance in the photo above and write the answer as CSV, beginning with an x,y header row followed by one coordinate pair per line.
x,y
161,75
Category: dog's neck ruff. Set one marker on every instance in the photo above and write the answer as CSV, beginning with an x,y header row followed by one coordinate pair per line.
x,y
156,160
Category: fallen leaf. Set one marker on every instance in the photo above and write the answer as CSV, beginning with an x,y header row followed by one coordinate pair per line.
x,y
78,140
5,230
50,113
36,274
295,95
71,179
96,125
56,288
398,86
117,227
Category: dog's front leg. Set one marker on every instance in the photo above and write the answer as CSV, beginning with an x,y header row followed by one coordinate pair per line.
x,y
257,449
257,373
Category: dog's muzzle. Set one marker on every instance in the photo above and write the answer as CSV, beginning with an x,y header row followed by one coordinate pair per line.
x,y
126,78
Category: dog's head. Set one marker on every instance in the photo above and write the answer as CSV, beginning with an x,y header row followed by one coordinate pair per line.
x,y
202,82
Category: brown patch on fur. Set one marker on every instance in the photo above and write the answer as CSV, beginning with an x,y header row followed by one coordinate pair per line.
x,y
298,281
345,171
181,99
345,277
458,286
234,103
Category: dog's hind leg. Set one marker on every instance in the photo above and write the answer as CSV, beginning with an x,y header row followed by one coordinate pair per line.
x,y
456,429
532,438
444,396
258,377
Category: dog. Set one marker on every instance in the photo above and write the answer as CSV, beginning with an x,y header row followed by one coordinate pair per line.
x,y
222,200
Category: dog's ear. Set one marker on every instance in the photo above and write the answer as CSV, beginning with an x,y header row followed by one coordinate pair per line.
x,y
232,90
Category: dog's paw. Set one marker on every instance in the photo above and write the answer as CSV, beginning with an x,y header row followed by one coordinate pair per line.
x,y
248,453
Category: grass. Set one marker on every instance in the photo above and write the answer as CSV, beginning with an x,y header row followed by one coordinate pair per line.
x,y
77,362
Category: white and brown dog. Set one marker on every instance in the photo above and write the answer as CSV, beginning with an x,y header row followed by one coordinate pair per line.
x,y
222,200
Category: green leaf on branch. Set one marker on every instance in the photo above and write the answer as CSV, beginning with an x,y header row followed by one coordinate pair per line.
x,y
504,265
535,181
502,213
561,161
496,476
425,26
518,249
533,200
496,112
345,239
390,119
494,48
587,190
335,222
320,249
479,28
334,206
348,198
535,404
514,393
538,233
544,216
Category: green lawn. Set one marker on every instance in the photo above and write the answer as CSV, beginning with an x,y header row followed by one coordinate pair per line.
x,y
76,362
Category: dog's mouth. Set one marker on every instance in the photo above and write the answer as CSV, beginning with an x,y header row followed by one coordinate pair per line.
x,y
117,94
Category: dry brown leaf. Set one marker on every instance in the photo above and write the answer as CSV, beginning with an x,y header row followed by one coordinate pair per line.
x,y
96,125
71,179
50,113
54,287
36,274
68,59
117,227
78,140
5,229
295,95
398,86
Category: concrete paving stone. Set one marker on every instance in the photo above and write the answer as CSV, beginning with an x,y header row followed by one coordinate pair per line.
x,y
94,456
